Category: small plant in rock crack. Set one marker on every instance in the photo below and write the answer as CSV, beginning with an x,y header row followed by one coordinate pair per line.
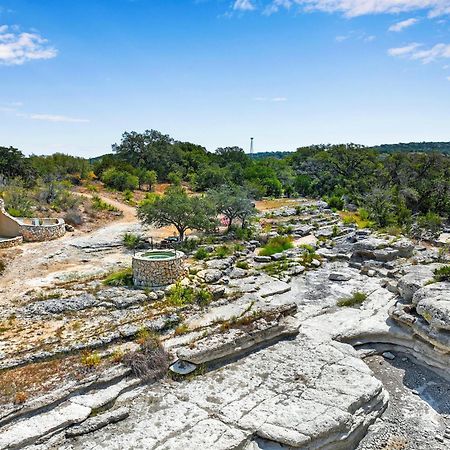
x,y
355,299
442,274
91,359
150,362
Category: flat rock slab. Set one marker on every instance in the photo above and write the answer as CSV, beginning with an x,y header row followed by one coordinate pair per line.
x,y
28,431
299,393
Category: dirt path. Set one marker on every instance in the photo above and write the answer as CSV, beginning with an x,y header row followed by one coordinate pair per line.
x,y
129,212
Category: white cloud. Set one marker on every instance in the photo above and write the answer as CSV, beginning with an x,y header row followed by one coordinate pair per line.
x,y
418,53
243,5
400,26
17,48
403,51
353,8
448,78
56,118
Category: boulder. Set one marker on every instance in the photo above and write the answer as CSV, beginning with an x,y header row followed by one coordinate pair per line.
x,y
210,275
339,276
433,304
415,278
262,259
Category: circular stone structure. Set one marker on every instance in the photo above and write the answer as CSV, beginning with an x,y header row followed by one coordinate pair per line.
x,y
157,268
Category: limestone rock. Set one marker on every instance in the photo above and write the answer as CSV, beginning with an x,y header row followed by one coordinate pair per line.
x,y
28,431
210,275
262,259
99,421
339,276
415,278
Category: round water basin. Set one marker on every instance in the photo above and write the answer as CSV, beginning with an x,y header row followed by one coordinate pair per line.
x,y
158,268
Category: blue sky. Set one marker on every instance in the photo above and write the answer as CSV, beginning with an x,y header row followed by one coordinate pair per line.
x,y
75,74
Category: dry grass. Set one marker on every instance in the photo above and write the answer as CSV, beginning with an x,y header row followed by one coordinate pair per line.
x,y
150,362
17,385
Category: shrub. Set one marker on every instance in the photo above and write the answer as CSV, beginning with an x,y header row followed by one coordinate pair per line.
x,y
150,362
74,217
430,222
222,252
442,274
90,359
242,265
203,297
276,245
20,398
356,299
180,295
128,196
2,266
120,180
201,253
131,240
335,202
121,278
101,205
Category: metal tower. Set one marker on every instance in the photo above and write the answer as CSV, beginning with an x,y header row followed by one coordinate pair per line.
x,y
251,146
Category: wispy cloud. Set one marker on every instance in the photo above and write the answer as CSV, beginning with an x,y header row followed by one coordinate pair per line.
x,y
56,118
14,109
400,26
244,5
418,53
354,8
355,35
17,48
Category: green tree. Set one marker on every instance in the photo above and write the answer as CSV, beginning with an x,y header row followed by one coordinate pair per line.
x,y
233,202
176,208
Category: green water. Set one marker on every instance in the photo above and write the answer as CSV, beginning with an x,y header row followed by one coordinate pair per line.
x,y
158,255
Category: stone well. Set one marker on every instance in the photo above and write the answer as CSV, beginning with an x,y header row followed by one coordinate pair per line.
x,y
157,268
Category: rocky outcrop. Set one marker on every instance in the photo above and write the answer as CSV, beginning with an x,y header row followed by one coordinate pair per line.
x,y
300,394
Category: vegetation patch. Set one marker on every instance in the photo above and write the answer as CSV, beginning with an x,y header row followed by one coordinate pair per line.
x,y
131,240
101,205
180,295
442,274
355,299
276,245
150,362
121,278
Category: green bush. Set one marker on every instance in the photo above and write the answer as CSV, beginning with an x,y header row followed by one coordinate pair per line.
x,y
180,295
356,299
120,179
430,221
131,240
121,278
442,274
335,202
201,253
242,265
101,205
276,245
203,297
222,252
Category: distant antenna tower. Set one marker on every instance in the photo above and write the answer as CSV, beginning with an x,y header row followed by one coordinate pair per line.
x,y
251,146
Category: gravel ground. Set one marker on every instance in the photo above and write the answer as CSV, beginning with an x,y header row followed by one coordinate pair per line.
x,y
418,415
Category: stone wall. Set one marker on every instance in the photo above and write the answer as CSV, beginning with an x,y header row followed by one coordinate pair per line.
x,y
39,233
12,242
158,272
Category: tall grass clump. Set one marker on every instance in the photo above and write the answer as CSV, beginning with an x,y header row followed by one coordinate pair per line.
x,y
276,245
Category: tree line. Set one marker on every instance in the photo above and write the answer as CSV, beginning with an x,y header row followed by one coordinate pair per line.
x,y
394,188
